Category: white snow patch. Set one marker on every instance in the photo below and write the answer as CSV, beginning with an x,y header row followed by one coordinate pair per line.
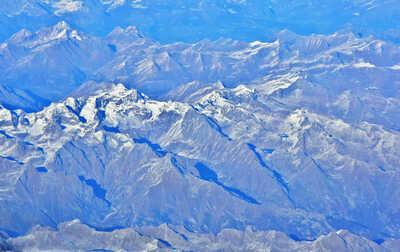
x,y
274,85
242,90
74,34
364,65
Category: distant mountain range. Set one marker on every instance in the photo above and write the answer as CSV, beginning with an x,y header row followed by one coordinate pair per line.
x,y
191,21
48,65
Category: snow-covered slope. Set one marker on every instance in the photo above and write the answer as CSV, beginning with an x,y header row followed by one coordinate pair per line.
x,y
225,158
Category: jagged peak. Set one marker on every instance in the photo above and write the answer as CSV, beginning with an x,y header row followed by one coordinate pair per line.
x,y
243,90
286,35
106,90
119,90
125,37
20,36
131,31
60,31
62,25
116,30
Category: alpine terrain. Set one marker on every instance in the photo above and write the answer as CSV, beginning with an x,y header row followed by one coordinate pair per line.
x,y
199,125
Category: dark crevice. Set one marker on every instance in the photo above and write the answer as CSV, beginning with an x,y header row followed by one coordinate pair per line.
x,y
176,165
112,47
101,114
216,126
14,118
194,108
207,174
28,143
53,222
344,241
81,118
41,169
178,233
105,229
260,160
12,159
2,132
312,159
164,243
379,241
239,194
268,151
98,191
275,174
24,186
59,160
111,129
155,147
318,166
213,123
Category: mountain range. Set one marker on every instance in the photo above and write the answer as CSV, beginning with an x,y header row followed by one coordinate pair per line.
x,y
190,21
118,138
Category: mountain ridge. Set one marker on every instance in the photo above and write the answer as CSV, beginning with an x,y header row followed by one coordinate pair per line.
x,y
169,238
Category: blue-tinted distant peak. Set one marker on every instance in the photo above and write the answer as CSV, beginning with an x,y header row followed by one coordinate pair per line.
x,y
191,21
